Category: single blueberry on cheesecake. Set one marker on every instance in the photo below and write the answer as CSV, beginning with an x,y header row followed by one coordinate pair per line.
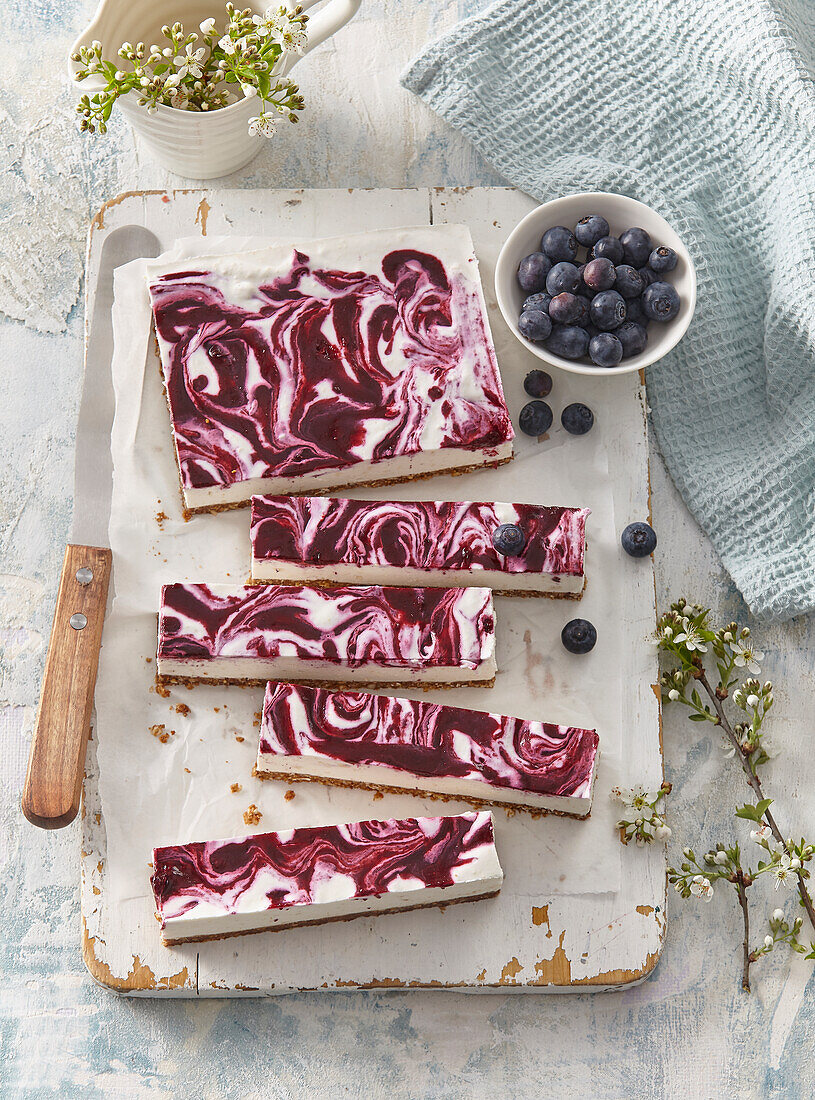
x,y
312,875
329,540
356,635
353,738
347,361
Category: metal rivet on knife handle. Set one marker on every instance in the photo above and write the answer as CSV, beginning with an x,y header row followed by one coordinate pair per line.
x,y
53,783
84,575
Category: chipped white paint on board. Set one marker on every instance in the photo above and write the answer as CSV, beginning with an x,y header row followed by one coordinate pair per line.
x,y
687,1032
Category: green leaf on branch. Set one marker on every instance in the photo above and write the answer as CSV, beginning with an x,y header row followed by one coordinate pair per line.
x,y
754,813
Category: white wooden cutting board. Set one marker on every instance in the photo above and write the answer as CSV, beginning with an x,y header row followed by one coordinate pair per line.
x,y
591,941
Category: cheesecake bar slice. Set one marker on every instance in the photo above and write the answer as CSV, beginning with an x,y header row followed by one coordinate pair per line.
x,y
355,739
331,363
329,540
351,635
313,875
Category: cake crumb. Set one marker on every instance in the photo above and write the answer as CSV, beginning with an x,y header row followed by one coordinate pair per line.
x,y
239,739
182,709
289,795
162,733
235,788
160,518
217,710
378,795
252,816
187,770
149,660
163,691
258,717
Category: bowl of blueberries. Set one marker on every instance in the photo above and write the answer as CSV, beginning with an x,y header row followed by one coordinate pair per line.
x,y
596,283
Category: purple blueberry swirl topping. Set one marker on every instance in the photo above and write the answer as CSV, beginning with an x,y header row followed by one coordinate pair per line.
x,y
315,368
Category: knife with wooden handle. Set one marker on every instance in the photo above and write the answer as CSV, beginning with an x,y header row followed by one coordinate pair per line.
x,y
53,782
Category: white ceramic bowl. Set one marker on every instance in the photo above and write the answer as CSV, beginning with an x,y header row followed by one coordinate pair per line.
x,y
621,213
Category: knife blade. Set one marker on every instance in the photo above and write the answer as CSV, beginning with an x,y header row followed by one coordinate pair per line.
x,y
56,762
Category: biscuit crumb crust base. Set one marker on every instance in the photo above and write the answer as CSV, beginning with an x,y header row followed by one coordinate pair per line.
x,y
331,685
327,920
434,796
495,591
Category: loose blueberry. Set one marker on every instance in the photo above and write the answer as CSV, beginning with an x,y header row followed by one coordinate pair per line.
x,y
532,272
608,248
536,418
629,281
605,350
599,274
660,302
590,229
662,260
569,341
534,324
636,247
537,301
538,383
562,277
633,338
509,539
635,312
568,309
559,243
579,636
608,310
639,540
577,419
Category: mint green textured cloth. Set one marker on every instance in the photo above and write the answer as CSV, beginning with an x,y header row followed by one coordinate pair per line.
x,y
705,110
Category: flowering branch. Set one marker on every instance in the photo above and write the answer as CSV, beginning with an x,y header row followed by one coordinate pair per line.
x,y
642,817
686,635
201,77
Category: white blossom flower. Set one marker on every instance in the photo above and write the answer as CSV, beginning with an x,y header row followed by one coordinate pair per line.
x,y
207,27
701,887
262,124
278,23
778,915
761,834
768,941
226,44
190,62
783,871
673,695
720,859
752,701
746,656
691,638
248,90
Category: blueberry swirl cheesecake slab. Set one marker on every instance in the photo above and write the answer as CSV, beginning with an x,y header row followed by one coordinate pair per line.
x,y
327,364
515,549
313,875
355,739
352,636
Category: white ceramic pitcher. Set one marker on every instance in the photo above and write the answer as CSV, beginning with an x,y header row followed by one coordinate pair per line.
x,y
192,143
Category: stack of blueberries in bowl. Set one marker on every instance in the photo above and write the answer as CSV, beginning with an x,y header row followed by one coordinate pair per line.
x,y
592,294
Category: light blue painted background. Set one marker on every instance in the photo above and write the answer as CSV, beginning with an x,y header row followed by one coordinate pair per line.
x,y
689,1031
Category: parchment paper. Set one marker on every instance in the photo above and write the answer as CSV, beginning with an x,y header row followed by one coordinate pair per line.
x,y
156,791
